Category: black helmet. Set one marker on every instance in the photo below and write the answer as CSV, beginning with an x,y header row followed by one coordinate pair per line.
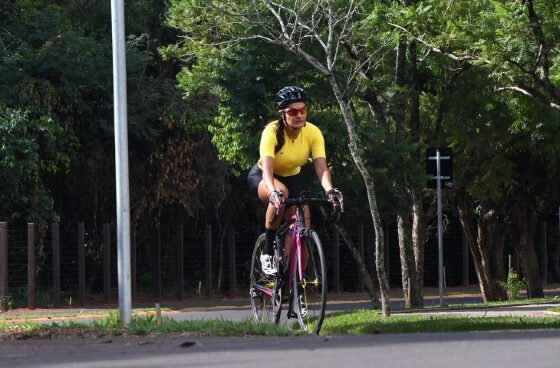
x,y
289,94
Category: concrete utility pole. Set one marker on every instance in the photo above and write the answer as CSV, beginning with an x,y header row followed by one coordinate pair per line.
x,y
121,160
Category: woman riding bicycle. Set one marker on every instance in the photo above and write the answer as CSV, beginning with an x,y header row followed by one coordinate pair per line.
x,y
287,144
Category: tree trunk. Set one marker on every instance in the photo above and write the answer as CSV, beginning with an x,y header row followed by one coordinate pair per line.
x,y
408,265
418,240
220,277
529,264
479,249
399,114
404,226
414,94
372,198
400,81
418,236
555,259
497,255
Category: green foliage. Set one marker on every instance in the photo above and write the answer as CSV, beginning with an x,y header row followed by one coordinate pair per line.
x,y
237,80
30,147
207,74
56,65
147,324
513,285
229,141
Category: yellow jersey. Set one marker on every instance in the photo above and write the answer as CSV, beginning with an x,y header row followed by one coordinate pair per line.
x,y
294,153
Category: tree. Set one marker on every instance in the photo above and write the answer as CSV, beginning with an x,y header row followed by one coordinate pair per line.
x,y
311,31
30,147
509,48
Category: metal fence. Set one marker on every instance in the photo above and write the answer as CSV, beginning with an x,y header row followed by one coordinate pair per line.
x,y
76,264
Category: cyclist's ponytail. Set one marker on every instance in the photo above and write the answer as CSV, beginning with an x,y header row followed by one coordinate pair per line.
x,y
279,135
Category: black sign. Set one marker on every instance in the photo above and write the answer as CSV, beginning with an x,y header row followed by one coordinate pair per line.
x,y
446,167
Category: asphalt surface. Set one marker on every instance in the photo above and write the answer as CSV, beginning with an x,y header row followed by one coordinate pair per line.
x,y
509,349
535,349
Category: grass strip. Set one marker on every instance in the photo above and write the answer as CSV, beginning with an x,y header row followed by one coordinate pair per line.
x,y
143,325
354,323
362,322
140,325
497,304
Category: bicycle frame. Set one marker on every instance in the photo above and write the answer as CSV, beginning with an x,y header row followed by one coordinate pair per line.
x,y
298,220
305,291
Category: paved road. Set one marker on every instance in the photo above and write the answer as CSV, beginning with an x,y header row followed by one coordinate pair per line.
x,y
239,309
535,349
496,349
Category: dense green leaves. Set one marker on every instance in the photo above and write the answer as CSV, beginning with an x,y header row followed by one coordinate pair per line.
x,y
30,147
57,69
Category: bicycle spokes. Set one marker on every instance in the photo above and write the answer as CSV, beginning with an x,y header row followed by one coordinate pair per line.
x,y
310,291
264,292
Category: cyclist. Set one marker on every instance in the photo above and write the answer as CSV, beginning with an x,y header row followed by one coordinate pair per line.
x,y
286,144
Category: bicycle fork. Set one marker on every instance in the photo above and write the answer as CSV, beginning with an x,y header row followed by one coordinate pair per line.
x,y
295,250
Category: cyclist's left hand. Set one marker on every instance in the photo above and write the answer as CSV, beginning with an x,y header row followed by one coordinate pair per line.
x,y
336,197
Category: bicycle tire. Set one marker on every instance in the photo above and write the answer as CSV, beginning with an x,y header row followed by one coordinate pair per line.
x,y
312,288
266,308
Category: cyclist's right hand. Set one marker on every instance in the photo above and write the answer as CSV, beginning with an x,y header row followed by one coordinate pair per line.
x,y
336,198
276,198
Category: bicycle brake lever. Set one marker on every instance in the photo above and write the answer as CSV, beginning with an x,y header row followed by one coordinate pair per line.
x,y
275,216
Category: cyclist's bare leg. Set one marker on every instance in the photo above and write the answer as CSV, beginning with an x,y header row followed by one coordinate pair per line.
x,y
288,240
264,194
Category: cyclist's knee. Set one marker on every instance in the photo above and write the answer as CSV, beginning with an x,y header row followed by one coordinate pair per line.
x,y
280,186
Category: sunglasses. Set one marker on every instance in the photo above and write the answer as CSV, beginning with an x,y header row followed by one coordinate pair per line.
x,y
295,112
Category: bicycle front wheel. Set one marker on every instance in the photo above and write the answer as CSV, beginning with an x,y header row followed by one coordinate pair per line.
x,y
264,291
310,291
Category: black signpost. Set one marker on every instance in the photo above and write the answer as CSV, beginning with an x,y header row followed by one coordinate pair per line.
x,y
439,165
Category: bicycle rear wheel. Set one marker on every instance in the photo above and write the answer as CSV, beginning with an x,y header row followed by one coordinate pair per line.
x,y
264,292
310,292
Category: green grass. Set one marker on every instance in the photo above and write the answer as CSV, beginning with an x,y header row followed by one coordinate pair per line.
x,y
216,327
355,322
352,323
555,310
363,322
143,325
548,300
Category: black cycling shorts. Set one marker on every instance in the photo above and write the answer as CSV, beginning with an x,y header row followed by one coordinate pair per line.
x,y
294,183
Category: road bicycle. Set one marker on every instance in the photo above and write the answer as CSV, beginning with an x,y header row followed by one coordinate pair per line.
x,y
301,280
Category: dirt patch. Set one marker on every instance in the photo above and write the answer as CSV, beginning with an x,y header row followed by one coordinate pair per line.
x,y
46,333
70,317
